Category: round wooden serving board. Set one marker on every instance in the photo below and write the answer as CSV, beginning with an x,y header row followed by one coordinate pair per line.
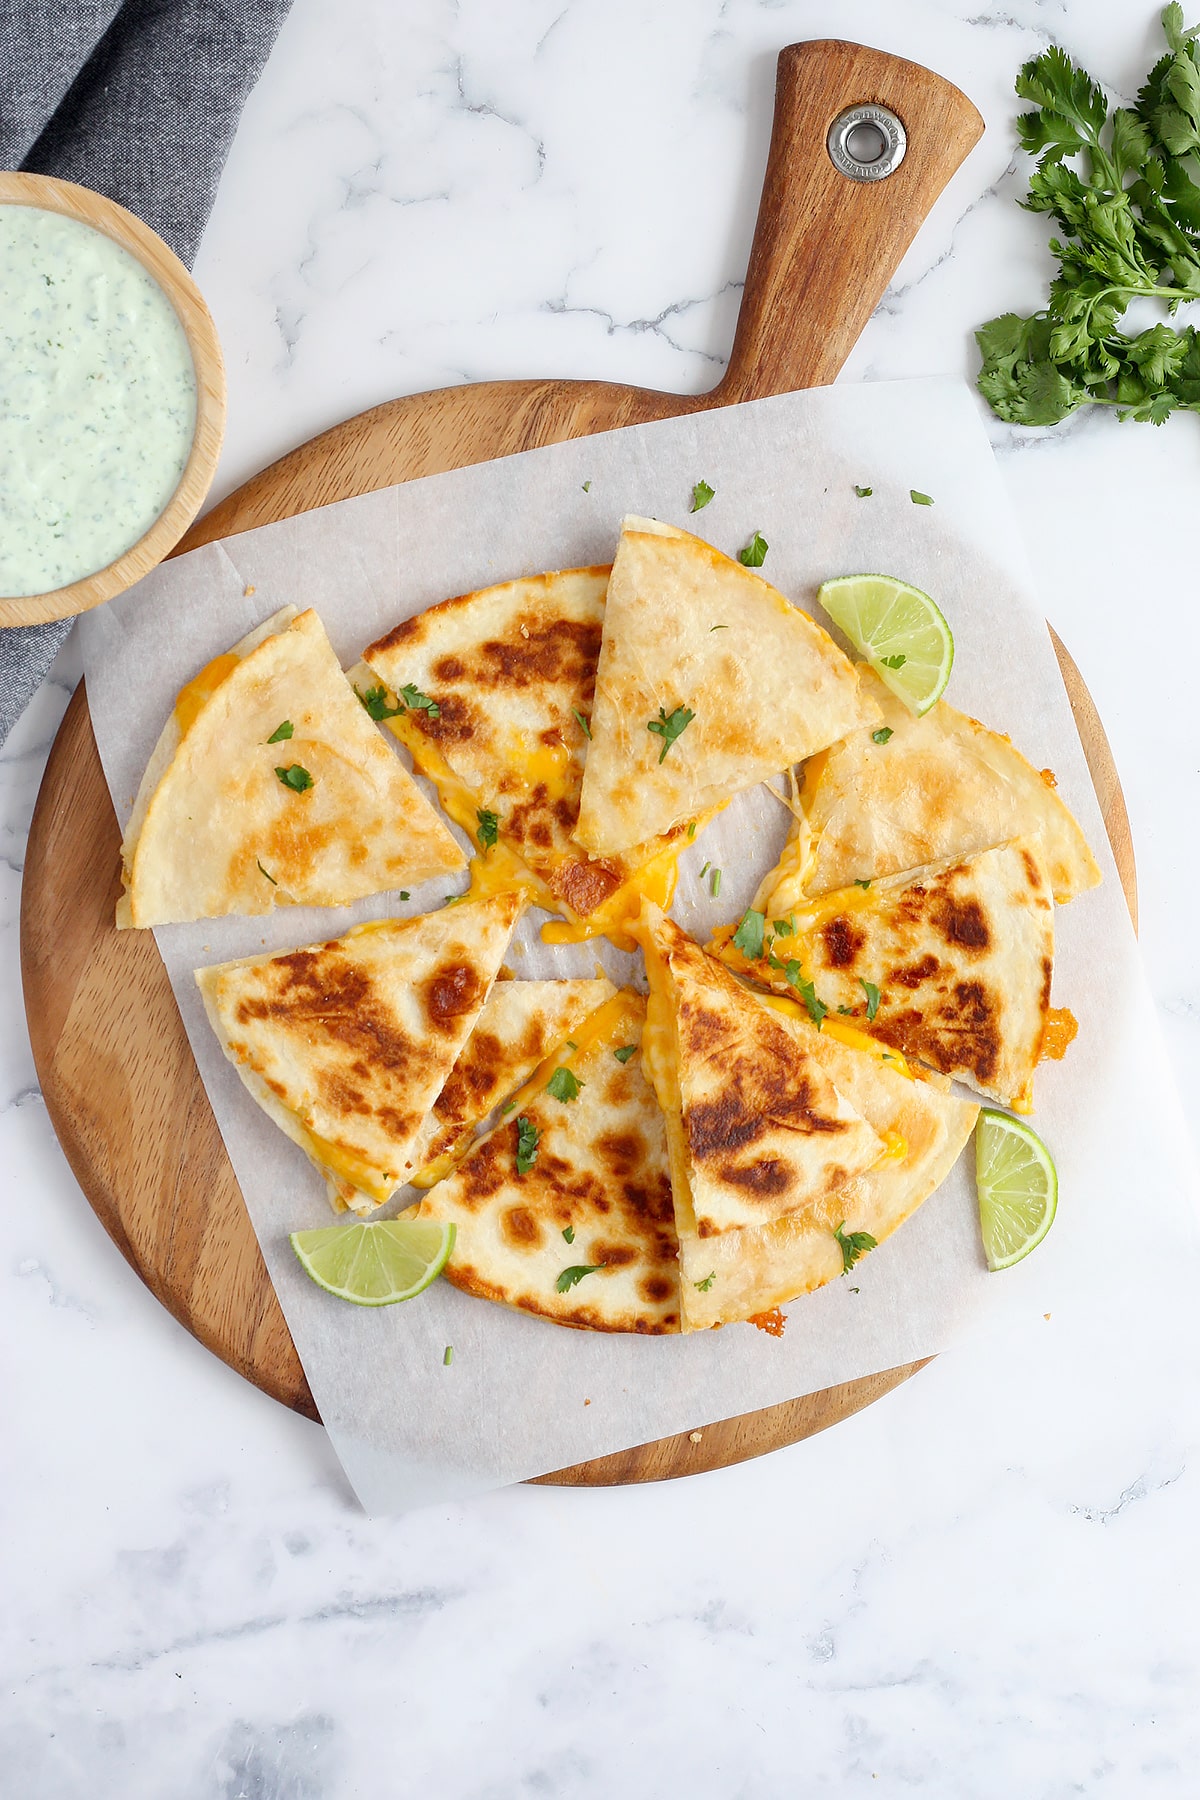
x,y
114,1063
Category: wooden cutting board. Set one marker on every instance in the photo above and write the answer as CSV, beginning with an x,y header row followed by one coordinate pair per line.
x,y
115,1067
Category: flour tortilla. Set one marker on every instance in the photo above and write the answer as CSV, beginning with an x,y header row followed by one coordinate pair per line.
x,y
347,1044
768,687
512,672
741,1274
521,1023
601,1174
214,830
756,1127
961,956
942,786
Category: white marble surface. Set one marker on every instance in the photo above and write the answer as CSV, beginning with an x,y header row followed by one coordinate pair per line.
x,y
984,1586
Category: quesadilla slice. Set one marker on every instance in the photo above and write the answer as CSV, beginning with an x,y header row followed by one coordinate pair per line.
x,y
916,791
521,1023
708,681
743,1274
755,1127
950,964
492,694
564,1209
347,1044
270,786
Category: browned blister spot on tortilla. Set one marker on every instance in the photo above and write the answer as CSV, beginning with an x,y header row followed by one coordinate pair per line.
x,y
914,975
449,668
961,922
655,1288
520,1227
842,942
454,990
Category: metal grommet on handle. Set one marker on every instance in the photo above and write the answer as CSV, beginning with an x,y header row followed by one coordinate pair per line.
x,y
867,143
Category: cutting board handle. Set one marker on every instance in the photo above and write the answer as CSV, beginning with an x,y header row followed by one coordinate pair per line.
x,y
825,246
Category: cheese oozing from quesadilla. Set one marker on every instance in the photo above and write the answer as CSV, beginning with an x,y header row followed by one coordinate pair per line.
x,y
936,787
492,694
709,680
950,964
347,1044
564,1208
270,786
742,1274
755,1127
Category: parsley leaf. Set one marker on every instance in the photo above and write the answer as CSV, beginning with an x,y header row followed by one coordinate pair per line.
x,y
919,499
296,778
859,882
404,895
784,927
281,732
270,878
625,1052
872,993
416,701
882,735
706,1283
528,1137
569,1234
669,726
489,829
587,487
570,1277
748,938
376,702
852,1245
755,553
816,1008
863,493
585,725
564,1085
701,495
894,662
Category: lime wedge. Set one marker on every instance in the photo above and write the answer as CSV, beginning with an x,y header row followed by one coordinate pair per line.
x,y
375,1264
1017,1185
898,629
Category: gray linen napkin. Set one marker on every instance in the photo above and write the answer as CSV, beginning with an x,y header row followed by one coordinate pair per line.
x,y
138,99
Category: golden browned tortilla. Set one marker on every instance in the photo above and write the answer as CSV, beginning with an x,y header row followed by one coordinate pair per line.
x,y
215,829
511,672
347,1044
755,1126
596,1198
688,630
936,787
741,1274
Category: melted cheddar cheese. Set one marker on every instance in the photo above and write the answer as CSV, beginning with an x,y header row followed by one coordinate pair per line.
x,y
192,699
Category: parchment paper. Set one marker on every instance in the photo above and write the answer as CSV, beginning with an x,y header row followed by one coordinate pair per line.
x,y
521,1396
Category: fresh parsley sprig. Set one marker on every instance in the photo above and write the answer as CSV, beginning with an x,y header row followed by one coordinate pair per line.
x,y
852,1245
1129,215
670,725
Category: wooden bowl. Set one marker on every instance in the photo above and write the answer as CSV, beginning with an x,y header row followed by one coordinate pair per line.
x,y
165,268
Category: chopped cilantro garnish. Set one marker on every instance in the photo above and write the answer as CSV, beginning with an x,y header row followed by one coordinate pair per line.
x,y
281,732
507,1108
416,701
863,493
489,829
569,1277
585,725
884,733
569,1234
754,554
270,878
376,702
296,778
784,927
852,1245
625,1052
872,993
713,628
404,894
716,883
564,1085
691,830
527,1144
704,870
748,938
816,1008
701,495
847,1010
919,499
859,882
706,1283
587,487
447,1356
894,662
669,726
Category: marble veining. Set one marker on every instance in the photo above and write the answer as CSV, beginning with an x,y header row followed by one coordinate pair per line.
x,y
985,1585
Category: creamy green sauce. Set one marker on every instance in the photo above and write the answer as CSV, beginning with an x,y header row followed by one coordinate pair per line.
x,y
97,400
